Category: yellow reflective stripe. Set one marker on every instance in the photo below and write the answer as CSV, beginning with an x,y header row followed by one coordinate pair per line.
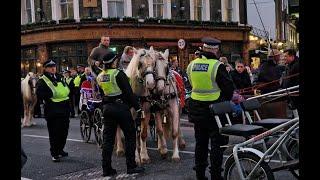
x,y
215,86
50,84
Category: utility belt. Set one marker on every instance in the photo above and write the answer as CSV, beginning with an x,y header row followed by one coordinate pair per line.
x,y
109,99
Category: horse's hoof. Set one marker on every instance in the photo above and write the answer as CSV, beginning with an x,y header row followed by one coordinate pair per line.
x,y
33,123
145,161
164,156
182,145
120,153
175,159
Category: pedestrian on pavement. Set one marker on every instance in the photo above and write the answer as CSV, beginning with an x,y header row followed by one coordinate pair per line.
x,y
210,83
270,71
117,100
97,53
69,80
240,76
52,88
77,83
292,71
126,57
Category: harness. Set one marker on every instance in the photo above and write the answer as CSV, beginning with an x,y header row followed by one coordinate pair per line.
x,y
31,84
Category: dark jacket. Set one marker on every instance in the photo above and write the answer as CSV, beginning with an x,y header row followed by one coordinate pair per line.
x,y
52,109
97,54
241,80
291,69
269,71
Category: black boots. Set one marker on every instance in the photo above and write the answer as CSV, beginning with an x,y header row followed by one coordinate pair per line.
x,y
109,172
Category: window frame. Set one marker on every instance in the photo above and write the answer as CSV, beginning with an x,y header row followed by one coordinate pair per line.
x,y
67,3
114,4
155,9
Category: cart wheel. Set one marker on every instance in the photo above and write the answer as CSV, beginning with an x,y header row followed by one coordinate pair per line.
x,y
247,161
85,126
98,126
293,150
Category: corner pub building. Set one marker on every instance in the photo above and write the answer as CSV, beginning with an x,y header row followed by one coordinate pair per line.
x,y
67,30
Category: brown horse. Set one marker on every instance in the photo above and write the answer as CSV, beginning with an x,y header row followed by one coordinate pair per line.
x,y
28,92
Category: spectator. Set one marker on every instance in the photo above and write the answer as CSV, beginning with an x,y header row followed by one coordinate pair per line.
x,y
126,57
224,60
240,76
270,71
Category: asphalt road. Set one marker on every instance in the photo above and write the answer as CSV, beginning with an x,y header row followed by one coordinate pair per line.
x,y
84,160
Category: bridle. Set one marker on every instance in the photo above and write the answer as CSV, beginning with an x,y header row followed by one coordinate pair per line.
x,y
31,84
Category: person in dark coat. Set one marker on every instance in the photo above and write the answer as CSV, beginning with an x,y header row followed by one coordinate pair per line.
x,y
292,74
270,71
240,76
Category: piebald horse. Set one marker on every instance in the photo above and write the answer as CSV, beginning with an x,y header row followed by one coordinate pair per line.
x,y
28,92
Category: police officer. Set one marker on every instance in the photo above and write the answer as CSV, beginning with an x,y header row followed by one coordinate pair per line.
x,y
77,83
118,98
52,88
69,80
210,84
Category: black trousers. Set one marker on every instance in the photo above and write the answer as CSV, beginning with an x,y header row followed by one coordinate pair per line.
x,y
58,128
77,99
206,129
118,114
71,102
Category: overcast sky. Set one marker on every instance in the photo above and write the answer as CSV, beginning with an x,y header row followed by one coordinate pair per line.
x,y
267,12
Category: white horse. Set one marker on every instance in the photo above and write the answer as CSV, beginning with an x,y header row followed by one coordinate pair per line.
x,y
141,73
28,92
168,115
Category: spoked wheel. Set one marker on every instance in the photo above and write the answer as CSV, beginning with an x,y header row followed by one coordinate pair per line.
x,y
293,150
247,161
98,126
152,125
85,126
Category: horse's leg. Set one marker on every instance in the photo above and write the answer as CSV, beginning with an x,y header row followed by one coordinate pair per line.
x,y
182,142
120,149
162,144
27,117
143,138
174,114
32,111
25,110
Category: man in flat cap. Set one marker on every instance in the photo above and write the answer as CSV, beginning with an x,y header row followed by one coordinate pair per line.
x,y
270,71
52,88
210,84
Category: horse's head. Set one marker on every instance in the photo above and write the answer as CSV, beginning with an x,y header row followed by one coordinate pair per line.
x,y
32,82
162,69
147,62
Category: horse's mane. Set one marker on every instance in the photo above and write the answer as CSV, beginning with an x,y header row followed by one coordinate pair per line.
x,y
25,89
132,69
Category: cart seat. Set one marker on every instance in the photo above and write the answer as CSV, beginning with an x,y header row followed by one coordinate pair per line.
x,y
243,130
270,122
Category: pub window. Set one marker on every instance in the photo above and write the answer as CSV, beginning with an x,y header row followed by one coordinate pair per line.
x,y
28,10
115,8
68,55
94,12
43,10
66,9
198,10
158,8
29,61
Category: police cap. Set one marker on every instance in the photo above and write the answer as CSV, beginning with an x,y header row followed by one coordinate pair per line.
x,y
81,65
66,71
109,58
49,63
211,43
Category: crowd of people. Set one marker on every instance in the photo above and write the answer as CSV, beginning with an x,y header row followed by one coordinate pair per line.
x,y
61,95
